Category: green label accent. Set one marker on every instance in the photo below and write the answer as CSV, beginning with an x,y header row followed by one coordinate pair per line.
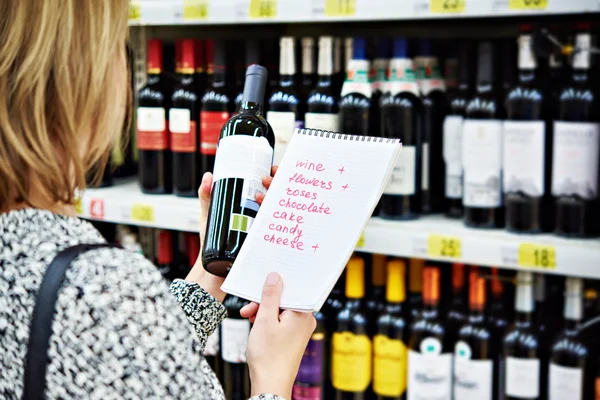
x,y
407,76
241,223
358,76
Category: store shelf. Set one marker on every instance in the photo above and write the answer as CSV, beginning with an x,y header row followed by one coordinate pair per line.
x,y
428,237
194,12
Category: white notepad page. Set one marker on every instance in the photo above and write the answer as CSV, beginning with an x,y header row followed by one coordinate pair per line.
x,y
337,181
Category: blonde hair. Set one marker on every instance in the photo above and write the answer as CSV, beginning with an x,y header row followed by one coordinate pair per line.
x,y
63,93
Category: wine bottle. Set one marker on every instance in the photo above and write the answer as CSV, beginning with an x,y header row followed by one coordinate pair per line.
x,y
152,126
457,315
521,346
482,149
506,80
244,157
234,341
453,124
215,109
355,103
389,343
401,117
183,123
339,74
451,64
351,345
474,354
415,287
379,68
333,305
376,300
429,354
309,78
252,57
201,74
576,149
285,104
497,313
435,108
527,149
164,253
571,365
310,382
322,103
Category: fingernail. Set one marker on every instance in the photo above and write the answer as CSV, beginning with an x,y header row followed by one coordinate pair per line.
x,y
273,278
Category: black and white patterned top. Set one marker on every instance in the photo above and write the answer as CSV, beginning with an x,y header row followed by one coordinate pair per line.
x,y
117,332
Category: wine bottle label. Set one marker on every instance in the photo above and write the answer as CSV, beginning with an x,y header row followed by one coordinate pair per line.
x,y
351,362
248,158
524,154
300,392
283,124
522,377
326,122
402,180
152,132
575,159
472,378
565,383
212,344
234,340
429,375
311,366
429,76
402,77
425,166
183,130
380,66
453,155
482,163
389,366
211,123
357,80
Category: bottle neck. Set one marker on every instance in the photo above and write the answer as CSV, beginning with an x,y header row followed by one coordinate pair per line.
x,y
476,315
325,67
524,303
186,78
307,57
153,78
287,61
219,77
251,107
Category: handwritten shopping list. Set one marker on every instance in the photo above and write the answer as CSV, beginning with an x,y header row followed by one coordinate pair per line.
x,y
313,214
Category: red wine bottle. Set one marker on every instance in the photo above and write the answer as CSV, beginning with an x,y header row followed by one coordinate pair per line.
x,y
244,157
201,74
310,382
453,124
215,109
183,122
435,108
482,149
322,103
527,149
576,147
355,104
152,126
234,341
164,253
285,104
474,354
391,334
571,362
401,117
457,315
430,353
521,347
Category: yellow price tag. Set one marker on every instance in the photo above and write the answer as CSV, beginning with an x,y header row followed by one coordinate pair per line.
x,y
142,213
444,246
361,241
447,6
78,206
537,256
527,4
340,8
263,8
135,11
195,9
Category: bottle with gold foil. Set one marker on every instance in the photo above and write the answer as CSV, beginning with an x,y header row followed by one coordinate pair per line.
x,y
415,287
376,300
429,354
351,345
389,343
474,352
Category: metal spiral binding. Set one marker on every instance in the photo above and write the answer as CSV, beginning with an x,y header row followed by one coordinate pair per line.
x,y
342,136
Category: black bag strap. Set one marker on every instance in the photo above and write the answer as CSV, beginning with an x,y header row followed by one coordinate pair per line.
x,y
41,322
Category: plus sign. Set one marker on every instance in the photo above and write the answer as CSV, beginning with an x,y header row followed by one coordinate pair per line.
x,y
316,246
345,187
341,170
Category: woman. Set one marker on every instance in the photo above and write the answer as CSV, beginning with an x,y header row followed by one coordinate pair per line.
x,y
117,332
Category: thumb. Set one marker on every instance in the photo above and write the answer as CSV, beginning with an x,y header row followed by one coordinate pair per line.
x,y
271,296
204,196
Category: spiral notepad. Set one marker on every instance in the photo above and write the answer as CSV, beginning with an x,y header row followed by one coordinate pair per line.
x,y
323,194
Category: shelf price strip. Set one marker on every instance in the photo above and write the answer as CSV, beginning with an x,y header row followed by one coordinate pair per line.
x,y
448,6
135,11
536,256
194,10
142,213
340,8
263,8
527,4
444,246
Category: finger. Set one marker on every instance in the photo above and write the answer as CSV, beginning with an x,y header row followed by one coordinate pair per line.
x,y
249,310
266,181
260,198
204,196
271,296
299,320
252,319
274,169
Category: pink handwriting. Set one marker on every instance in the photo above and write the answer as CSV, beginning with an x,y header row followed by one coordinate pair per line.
x,y
285,229
288,217
341,170
310,166
294,243
345,187
301,193
299,178
316,246
311,208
